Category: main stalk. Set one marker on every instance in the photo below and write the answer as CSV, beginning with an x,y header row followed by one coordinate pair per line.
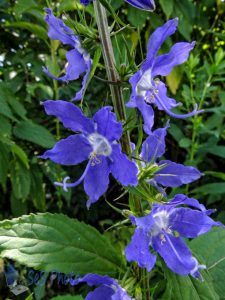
x,y
112,74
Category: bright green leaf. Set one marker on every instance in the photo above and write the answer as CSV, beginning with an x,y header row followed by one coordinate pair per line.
x,y
29,131
210,247
43,241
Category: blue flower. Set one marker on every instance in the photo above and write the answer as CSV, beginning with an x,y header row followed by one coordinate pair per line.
x,y
109,288
148,90
172,174
157,230
78,59
95,142
143,4
85,2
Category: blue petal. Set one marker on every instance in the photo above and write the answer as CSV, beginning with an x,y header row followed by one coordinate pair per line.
x,y
76,66
134,81
102,292
70,115
175,174
110,289
58,30
178,54
190,223
180,199
158,37
154,146
85,2
96,180
144,223
96,279
147,114
143,4
123,169
79,94
165,103
107,124
70,151
175,253
138,250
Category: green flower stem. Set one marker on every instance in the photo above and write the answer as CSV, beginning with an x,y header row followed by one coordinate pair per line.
x,y
113,76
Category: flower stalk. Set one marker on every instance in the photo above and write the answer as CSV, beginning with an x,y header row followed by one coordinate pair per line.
x,y
112,74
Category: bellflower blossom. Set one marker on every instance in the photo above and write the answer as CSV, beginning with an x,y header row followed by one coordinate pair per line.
x,y
109,288
97,142
78,59
142,4
173,174
157,230
147,90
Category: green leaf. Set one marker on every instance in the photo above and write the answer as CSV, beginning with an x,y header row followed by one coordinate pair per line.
x,y
132,17
210,188
20,179
4,107
186,288
110,9
5,126
210,247
22,6
55,242
67,297
37,188
217,150
29,131
18,207
185,143
173,80
167,7
18,151
215,174
4,162
37,30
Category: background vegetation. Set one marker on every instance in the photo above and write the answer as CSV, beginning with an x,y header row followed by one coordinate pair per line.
x,y
26,182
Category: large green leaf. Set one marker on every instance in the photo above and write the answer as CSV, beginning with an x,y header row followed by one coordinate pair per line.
x,y
55,242
211,188
29,131
186,288
210,247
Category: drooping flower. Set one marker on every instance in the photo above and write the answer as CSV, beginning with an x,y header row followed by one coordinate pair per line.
x,y
85,2
172,174
109,288
79,61
157,230
95,142
143,4
146,88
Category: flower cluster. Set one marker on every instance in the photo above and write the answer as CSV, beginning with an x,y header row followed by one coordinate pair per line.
x,y
96,140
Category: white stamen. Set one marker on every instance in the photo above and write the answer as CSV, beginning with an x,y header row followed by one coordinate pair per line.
x,y
100,144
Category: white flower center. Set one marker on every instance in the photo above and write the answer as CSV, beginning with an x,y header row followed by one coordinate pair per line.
x,y
100,144
144,84
161,219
